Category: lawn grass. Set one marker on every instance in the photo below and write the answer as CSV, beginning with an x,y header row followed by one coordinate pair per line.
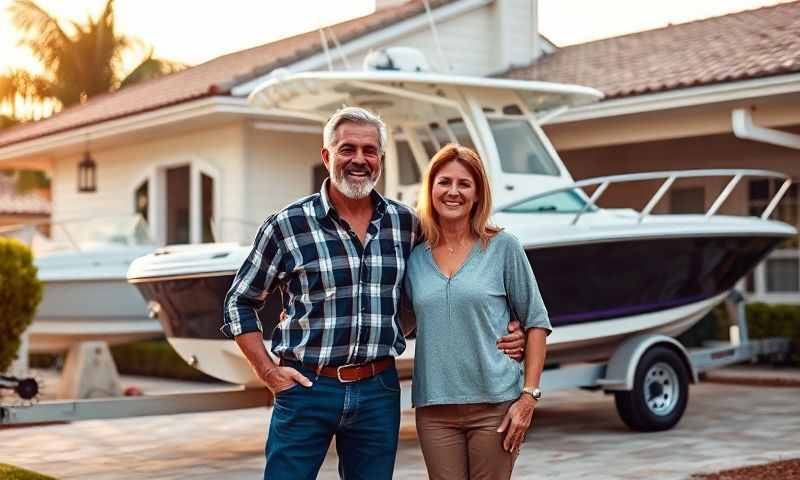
x,y
10,472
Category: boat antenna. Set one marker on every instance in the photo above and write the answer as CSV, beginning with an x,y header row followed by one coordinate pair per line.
x,y
324,41
435,32
339,48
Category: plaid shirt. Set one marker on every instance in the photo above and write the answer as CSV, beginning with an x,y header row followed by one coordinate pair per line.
x,y
341,298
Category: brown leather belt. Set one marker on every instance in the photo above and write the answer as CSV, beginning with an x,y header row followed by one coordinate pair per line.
x,y
349,373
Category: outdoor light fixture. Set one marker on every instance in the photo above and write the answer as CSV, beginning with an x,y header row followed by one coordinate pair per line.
x,y
87,173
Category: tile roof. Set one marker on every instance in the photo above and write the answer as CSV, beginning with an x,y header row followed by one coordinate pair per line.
x,y
215,77
745,45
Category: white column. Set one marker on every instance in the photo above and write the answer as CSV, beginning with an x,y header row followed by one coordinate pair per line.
x,y
19,368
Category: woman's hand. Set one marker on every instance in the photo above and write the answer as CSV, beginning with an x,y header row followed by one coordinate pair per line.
x,y
516,422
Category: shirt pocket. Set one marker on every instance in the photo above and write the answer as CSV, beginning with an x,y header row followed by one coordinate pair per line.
x,y
314,279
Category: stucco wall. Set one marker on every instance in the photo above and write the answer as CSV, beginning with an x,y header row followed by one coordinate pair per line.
x,y
480,42
121,169
278,170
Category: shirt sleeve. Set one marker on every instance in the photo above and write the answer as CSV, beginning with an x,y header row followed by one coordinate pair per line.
x,y
522,290
256,278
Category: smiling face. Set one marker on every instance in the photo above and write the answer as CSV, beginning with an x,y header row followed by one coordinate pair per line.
x,y
453,192
354,161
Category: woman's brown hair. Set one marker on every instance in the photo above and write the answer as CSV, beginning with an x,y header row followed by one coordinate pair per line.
x,y
479,217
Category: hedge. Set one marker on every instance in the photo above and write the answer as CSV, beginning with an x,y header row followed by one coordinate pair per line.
x,y
10,472
148,358
20,293
763,320
154,358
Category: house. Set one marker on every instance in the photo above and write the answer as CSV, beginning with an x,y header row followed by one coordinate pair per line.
x,y
189,154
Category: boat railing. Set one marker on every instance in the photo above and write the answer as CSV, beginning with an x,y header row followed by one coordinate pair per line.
x,y
669,177
133,229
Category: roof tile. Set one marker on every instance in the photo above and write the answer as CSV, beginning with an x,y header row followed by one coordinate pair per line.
x,y
739,46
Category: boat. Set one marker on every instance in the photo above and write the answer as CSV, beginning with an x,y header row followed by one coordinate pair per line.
x,y
605,274
85,294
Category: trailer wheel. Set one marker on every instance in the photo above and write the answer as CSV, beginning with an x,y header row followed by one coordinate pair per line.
x,y
660,392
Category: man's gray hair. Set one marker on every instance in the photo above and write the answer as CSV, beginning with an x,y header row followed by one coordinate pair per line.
x,y
354,115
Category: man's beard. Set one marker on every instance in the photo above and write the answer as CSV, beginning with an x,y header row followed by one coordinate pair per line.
x,y
353,190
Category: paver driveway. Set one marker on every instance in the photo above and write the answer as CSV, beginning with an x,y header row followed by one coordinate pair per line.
x,y
576,435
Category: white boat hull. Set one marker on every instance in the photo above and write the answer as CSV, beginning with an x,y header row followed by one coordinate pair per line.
x,y
568,344
110,310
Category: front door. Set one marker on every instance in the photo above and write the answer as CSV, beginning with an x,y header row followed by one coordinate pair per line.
x,y
186,206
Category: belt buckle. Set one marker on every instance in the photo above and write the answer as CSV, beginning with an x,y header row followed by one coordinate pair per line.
x,y
339,373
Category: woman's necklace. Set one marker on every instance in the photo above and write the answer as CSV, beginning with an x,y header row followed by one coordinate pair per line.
x,y
452,250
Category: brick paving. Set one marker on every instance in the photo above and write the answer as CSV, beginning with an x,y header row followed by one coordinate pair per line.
x,y
577,434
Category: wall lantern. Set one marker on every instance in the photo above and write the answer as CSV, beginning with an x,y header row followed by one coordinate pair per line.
x,y
87,173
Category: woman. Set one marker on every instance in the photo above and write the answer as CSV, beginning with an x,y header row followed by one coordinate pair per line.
x,y
463,283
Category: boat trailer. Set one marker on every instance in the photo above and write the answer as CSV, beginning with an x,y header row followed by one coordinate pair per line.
x,y
648,374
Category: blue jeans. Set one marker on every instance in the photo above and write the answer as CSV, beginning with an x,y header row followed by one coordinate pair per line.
x,y
364,416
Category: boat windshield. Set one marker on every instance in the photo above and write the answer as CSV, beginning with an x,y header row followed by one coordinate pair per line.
x,y
520,149
568,201
102,232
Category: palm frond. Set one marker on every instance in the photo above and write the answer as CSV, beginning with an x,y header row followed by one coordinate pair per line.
x,y
81,61
22,87
150,68
42,33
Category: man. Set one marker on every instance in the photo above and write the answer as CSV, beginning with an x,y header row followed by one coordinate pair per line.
x,y
339,257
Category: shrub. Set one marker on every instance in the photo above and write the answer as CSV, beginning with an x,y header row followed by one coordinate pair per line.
x,y
154,358
20,293
10,472
765,320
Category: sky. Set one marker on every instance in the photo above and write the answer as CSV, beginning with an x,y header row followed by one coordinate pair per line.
x,y
191,31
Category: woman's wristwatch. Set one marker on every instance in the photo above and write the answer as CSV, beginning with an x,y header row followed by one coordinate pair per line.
x,y
533,392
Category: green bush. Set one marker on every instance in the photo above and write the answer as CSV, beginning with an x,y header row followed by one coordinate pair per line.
x,y
10,472
765,320
20,293
154,358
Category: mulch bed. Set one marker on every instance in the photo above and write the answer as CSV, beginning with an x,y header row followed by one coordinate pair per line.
x,y
781,470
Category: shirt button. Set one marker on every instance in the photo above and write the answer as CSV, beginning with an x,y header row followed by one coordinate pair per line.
x,y
363,309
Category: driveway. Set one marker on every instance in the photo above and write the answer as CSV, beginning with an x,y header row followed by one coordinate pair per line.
x,y
576,435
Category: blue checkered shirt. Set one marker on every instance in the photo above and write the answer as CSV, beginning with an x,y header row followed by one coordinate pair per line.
x,y
342,299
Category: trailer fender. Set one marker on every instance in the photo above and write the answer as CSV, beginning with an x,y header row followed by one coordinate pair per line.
x,y
621,368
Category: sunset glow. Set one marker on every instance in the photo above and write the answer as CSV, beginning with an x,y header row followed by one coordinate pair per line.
x,y
193,32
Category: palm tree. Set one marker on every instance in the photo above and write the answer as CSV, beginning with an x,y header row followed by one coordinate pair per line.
x,y
77,65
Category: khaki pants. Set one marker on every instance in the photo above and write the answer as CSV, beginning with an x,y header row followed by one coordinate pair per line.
x,y
461,441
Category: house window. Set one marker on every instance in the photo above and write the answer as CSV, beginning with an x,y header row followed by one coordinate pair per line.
x,y
760,193
141,199
177,210
781,274
207,187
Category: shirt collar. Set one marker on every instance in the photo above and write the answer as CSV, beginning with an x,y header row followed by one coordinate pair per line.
x,y
324,206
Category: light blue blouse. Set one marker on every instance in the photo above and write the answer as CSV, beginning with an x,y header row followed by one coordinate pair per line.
x,y
459,319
